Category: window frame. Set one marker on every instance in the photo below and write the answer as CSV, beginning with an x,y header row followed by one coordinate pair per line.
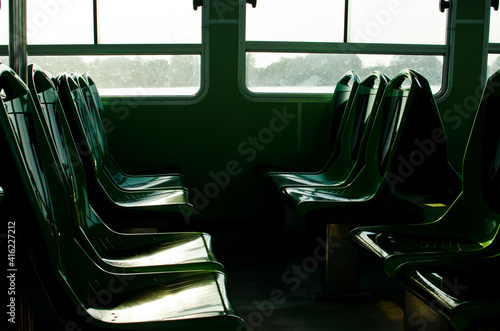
x,y
344,47
97,49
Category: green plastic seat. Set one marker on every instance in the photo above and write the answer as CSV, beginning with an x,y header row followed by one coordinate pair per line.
x,y
114,251
406,119
358,117
470,225
104,191
343,95
88,295
121,179
465,292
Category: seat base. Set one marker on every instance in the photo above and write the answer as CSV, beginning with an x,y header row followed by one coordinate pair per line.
x,y
419,316
340,277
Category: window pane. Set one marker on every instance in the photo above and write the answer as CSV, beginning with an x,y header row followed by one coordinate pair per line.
x,y
296,20
148,21
163,75
318,73
390,21
495,26
60,22
4,23
493,63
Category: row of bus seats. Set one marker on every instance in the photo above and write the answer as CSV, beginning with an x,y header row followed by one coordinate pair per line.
x,y
452,264
121,197
102,278
385,124
390,166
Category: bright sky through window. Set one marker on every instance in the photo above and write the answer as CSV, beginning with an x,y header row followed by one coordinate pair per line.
x,y
394,21
296,20
148,22
495,26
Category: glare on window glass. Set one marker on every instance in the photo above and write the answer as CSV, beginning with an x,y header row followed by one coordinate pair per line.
x,y
396,21
132,75
4,23
495,27
148,21
296,20
60,22
318,73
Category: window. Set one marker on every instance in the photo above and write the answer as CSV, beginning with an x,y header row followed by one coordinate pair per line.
x,y
494,26
4,23
277,20
133,22
151,48
383,21
494,45
333,36
59,22
153,75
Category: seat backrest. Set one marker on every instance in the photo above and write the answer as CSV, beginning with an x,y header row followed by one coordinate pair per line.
x,y
34,159
477,209
81,123
57,130
94,115
95,94
406,117
336,112
361,114
70,270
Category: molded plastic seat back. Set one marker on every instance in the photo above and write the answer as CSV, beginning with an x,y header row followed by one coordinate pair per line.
x,y
405,115
81,123
145,251
101,122
194,300
93,115
358,119
342,98
43,184
105,194
471,224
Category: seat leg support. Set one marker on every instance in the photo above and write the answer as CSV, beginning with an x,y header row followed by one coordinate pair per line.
x,y
419,316
340,274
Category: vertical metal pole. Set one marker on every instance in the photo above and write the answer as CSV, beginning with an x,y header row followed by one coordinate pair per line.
x,y
18,55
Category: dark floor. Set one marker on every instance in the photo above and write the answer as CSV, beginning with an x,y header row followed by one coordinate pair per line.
x,y
271,286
